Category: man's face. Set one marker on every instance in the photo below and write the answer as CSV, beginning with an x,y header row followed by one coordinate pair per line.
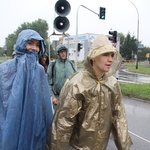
x,y
103,62
33,45
44,58
63,54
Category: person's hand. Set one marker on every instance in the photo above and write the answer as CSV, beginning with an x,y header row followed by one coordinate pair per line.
x,y
55,101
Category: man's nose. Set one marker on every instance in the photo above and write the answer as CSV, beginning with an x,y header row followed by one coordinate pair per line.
x,y
110,58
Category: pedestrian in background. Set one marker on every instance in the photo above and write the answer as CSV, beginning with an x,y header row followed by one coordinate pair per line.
x,y
58,72
14,54
91,105
25,108
44,61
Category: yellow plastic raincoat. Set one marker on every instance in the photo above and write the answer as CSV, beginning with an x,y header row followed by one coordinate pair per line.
x,y
91,108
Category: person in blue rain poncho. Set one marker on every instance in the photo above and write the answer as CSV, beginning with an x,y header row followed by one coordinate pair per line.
x,y
25,107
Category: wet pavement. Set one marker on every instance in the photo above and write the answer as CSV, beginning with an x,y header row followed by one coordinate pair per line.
x,y
127,76
138,117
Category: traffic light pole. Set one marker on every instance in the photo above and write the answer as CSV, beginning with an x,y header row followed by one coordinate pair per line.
x,y
77,31
61,23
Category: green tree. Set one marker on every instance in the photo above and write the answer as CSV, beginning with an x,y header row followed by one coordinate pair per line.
x,y
2,51
128,47
142,54
53,53
10,41
122,39
41,26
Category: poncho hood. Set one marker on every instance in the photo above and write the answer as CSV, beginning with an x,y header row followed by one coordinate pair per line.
x,y
100,46
59,48
24,37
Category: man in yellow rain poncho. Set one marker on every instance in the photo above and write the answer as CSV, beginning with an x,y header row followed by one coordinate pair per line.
x,y
91,104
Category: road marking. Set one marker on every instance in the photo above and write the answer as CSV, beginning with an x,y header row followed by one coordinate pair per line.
x,y
139,137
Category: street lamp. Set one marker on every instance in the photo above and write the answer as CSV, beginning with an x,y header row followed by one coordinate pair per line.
x,y
137,32
77,30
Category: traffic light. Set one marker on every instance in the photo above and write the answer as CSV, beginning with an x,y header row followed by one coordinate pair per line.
x,y
61,22
79,47
102,13
113,36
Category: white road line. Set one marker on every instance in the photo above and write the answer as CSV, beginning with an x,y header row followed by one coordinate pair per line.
x,y
139,137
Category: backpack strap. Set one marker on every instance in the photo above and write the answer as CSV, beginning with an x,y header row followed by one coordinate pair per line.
x,y
72,66
53,65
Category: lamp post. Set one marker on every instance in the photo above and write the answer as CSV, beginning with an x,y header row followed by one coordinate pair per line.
x,y
77,30
49,47
137,32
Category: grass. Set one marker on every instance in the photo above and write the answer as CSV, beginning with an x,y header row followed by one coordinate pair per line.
x,y
4,58
143,67
141,91
80,64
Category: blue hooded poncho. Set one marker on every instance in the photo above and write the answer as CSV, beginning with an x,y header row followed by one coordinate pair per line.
x,y
25,107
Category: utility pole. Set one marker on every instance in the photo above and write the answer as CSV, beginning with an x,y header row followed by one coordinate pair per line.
x,y
137,33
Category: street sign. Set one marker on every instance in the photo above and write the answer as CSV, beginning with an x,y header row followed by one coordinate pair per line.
x,y
140,46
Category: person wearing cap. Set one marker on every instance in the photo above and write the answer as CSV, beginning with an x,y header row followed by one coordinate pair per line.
x,y
14,54
91,105
58,72
25,106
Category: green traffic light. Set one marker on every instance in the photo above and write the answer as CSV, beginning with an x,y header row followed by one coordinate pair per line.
x,y
102,13
102,17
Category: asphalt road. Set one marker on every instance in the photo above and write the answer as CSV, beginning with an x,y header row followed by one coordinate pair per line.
x,y
138,116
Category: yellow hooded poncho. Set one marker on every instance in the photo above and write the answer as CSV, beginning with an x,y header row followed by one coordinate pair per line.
x,y
90,109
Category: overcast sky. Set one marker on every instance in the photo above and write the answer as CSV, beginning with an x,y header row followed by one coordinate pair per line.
x,y
121,15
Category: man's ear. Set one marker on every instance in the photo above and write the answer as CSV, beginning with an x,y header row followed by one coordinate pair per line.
x,y
91,61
